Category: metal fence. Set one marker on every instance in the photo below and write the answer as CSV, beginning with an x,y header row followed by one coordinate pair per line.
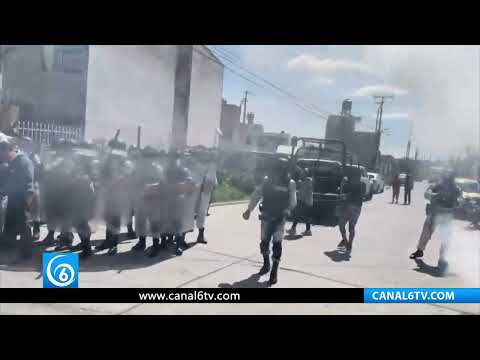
x,y
47,133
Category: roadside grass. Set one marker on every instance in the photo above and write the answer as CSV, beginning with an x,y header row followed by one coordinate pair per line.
x,y
228,192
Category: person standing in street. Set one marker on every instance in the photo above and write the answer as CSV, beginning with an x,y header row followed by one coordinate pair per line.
x,y
443,201
278,195
207,188
395,189
351,210
20,191
305,202
407,189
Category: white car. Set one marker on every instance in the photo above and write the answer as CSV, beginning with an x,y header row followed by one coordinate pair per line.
x,y
368,183
378,182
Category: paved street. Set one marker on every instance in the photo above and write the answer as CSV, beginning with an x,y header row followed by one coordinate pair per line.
x,y
386,235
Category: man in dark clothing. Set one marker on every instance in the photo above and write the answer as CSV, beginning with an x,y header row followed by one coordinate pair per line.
x,y
350,212
407,189
395,189
278,195
19,189
443,201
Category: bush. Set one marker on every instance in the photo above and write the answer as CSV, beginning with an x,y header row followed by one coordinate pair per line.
x,y
228,192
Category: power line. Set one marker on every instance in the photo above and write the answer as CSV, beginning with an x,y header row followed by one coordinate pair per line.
x,y
221,51
312,112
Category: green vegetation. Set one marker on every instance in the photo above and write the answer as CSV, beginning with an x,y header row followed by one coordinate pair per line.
x,y
228,192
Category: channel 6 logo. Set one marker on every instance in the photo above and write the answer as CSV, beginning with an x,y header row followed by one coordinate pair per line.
x,y
60,270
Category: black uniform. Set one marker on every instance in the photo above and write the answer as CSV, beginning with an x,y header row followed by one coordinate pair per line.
x,y
278,199
19,188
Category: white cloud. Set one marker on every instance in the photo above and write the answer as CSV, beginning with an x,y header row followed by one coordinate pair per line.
x,y
381,90
322,80
325,65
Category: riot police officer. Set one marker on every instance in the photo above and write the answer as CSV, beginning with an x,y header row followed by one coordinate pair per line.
x,y
443,200
208,183
305,202
278,195
151,205
37,173
115,184
182,192
55,194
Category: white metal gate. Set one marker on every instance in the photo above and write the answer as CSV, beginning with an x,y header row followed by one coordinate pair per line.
x,y
47,133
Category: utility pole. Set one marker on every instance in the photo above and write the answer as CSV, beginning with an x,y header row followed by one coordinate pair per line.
x,y
245,106
378,126
409,144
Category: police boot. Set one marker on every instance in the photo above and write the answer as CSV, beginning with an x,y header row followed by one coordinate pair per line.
x,y
266,265
65,240
277,254
106,243
131,233
86,248
36,230
179,241
140,245
163,242
183,243
49,239
155,248
201,237
113,245
273,274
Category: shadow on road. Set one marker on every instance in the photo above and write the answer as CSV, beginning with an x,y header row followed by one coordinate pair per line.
x,y
251,282
424,268
100,261
338,255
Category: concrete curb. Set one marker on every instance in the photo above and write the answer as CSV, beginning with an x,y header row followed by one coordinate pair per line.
x,y
229,203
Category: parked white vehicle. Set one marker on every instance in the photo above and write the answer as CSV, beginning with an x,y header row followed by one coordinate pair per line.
x,y
368,183
354,170
378,182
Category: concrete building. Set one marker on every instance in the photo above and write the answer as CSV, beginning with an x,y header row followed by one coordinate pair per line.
x,y
138,85
48,83
174,92
248,135
230,121
362,144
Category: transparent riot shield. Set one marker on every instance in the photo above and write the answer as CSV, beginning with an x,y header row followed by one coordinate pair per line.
x,y
113,203
183,184
150,197
207,186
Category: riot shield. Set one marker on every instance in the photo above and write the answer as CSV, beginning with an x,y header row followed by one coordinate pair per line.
x,y
207,186
56,190
183,184
149,196
114,200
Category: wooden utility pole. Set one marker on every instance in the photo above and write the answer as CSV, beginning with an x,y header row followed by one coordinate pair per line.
x,y
245,106
139,135
378,127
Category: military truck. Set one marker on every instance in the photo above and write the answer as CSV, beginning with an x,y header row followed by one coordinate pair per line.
x,y
325,161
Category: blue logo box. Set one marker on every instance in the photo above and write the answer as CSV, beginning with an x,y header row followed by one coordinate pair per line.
x,y
60,270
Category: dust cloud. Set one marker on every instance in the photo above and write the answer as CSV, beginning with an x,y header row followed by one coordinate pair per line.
x,y
443,82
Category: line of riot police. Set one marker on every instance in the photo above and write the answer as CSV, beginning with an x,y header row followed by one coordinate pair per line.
x,y
161,193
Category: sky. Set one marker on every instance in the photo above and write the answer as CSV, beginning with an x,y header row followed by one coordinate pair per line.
x,y
434,88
